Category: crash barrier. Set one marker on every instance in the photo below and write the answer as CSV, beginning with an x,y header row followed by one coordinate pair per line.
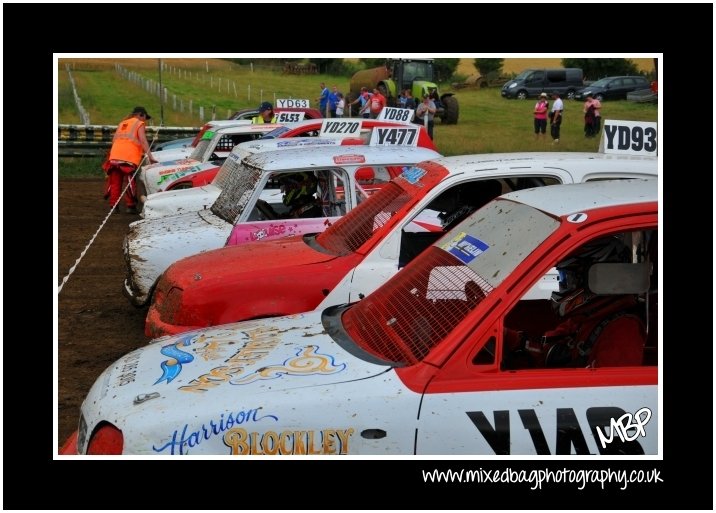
x,y
93,140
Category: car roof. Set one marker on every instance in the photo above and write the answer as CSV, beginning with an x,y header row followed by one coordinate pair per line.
x,y
578,164
561,200
221,123
331,156
457,162
245,128
622,76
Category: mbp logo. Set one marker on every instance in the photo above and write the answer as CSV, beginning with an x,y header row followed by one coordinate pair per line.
x,y
626,428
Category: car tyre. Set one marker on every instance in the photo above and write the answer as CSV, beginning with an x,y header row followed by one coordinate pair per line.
x,y
599,97
522,95
452,110
570,94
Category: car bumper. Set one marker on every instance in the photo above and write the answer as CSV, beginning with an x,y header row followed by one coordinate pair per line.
x,y
132,293
70,446
154,327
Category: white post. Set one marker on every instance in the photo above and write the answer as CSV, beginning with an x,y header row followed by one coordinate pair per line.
x,y
201,114
166,95
207,66
252,67
249,92
181,105
235,95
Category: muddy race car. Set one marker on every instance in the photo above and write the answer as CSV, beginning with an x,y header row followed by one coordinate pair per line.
x,y
213,148
177,148
366,247
424,364
251,200
203,188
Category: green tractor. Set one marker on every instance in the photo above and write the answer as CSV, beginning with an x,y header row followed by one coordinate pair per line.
x,y
399,74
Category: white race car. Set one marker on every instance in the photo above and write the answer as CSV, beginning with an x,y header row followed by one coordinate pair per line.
x,y
202,186
151,245
213,147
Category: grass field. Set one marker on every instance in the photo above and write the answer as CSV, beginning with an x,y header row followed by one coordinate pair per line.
x,y
488,123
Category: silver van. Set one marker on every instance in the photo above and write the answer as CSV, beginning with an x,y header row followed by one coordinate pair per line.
x,y
531,82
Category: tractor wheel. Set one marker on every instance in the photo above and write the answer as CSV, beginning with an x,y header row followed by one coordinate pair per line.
x,y
452,110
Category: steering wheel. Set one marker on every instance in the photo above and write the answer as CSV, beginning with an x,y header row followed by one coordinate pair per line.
x,y
266,210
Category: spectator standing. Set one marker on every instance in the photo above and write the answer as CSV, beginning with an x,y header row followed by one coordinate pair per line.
x,y
377,103
323,100
128,147
340,106
435,98
540,113
401,99
409,100
364,100
592,116
555,117
426,111
333,101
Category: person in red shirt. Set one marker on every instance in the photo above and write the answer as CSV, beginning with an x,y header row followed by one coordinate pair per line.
x,y
377,103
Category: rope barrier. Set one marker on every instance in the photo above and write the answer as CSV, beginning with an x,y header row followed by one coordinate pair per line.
x,y
111,211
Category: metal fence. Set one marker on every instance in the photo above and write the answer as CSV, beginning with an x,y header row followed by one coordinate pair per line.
x,y
93,140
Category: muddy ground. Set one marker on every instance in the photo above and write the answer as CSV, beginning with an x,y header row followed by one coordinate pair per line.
x,y
97,324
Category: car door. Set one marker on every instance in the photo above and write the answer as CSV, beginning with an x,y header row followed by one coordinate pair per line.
x,y
477,404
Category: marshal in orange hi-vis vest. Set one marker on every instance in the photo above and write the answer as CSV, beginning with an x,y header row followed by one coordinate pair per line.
x,y
126,144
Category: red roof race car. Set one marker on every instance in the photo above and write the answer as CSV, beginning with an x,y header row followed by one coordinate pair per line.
x,y
364,248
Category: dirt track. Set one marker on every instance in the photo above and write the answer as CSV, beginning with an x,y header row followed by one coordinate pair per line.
x,y
97,324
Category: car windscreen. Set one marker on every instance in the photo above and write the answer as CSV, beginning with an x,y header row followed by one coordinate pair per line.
x,y
601,83
200,149
237,182
407,317
350,232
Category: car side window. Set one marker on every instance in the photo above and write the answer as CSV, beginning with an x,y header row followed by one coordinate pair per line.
x,y
596,309
444,212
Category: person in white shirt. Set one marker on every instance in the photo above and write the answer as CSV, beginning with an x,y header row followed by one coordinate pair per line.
x,y
555,117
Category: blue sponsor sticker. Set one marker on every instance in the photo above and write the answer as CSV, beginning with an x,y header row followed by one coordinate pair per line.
x,y
413,174
465,247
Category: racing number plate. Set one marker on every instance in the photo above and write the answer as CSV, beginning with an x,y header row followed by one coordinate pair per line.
x,y
340,129
292,103
289,117
394,136
396,114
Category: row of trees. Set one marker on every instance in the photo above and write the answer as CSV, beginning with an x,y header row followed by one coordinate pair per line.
x,y
445,68
593,69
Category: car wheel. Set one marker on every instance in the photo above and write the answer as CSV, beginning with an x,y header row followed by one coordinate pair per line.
x,y
522,95
599,97
570,94
452,110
